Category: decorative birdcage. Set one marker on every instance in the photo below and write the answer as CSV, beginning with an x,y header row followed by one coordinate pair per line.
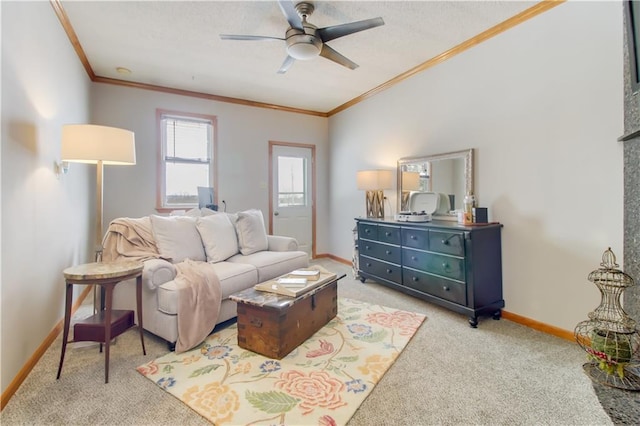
x,y
609,336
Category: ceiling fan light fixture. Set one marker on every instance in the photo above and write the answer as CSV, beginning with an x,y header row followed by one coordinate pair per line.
x,y
303,51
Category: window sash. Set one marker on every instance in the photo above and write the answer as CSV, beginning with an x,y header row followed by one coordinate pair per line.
x,y
175,155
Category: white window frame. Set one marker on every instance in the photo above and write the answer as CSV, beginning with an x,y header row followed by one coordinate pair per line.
x,y
161,115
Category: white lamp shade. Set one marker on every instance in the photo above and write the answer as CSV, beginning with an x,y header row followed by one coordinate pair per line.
x,y
88,143
410,181
373,180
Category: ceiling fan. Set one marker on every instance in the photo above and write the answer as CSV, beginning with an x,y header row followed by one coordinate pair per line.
x,y
306,41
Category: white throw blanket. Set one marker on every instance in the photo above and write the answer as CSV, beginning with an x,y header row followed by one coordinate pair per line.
x,y
199,299
199,293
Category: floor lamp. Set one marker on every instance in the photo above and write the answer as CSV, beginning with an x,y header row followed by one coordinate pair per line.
x,y
100,145
374,182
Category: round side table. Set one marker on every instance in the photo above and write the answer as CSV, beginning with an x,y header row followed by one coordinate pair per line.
x,y
106,324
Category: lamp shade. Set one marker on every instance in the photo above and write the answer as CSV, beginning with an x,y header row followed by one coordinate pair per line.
x,y
88,143
410,181
373,180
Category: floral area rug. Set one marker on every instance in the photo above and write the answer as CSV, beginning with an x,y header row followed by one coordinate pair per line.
x,y
322,382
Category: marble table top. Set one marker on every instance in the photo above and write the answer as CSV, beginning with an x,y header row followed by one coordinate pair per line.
x,y
103,270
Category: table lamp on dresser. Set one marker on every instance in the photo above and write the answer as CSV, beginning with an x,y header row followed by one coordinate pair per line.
x,y
374,182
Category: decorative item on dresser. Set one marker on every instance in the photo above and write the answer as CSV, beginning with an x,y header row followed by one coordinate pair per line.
x,y
455,266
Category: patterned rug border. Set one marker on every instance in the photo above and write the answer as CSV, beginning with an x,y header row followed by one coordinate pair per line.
x,y
322,382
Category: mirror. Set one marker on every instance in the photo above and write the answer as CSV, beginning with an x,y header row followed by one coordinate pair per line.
x,y
450,174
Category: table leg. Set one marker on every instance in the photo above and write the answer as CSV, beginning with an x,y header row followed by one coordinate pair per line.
x,y
107,330
102,298
139,309
67,322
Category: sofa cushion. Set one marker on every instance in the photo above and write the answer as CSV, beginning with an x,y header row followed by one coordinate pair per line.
x,y
218,236
271,264
234,277
177,238
252,236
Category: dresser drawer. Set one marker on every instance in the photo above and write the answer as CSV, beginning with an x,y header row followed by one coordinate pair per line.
x,y
447,242
389,234
381,269
417,238
368,231
385,252
436,286
447,266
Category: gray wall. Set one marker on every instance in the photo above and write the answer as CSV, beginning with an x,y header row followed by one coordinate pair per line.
x,y
243,140
542,106
45,218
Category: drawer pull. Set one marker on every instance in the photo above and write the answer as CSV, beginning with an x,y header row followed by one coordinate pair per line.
x,y
256,322
414,279
388,251
413,237
367,248
414,258
445,288
446,240
389,271
445,266
368,264
367,231
388,234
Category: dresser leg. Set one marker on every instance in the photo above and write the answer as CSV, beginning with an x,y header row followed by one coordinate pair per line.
x,y
473,322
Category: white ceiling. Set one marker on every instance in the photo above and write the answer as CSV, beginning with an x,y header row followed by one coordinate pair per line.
x,y
176,44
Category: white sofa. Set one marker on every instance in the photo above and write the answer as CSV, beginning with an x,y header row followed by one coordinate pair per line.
x,y
207,238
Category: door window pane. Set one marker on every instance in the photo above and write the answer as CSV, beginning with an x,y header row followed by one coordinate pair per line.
x,y
291,182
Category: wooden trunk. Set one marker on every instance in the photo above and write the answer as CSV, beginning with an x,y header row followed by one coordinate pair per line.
x,y
276,331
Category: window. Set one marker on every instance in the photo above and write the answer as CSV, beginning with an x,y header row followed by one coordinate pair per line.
x,y
187,158
291,182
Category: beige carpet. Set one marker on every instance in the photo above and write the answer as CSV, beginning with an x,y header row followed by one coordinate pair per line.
x,y
501,373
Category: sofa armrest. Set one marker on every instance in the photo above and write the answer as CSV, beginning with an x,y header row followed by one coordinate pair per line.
x,y
157,272
282,243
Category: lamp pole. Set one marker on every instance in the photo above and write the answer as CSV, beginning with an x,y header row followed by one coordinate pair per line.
x,y
99,187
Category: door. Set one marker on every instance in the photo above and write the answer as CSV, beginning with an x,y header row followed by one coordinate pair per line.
x,y
292,193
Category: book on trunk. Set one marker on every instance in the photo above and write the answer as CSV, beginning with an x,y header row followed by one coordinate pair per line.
x,y
297,282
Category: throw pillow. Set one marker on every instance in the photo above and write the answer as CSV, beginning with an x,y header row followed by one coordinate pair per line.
x,y
177,238
218,236
252,236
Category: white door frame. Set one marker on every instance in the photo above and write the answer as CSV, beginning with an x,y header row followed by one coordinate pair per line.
x,y
313,187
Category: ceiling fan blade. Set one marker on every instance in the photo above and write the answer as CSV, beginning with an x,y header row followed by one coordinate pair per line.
x,y
248,37
331,33
286,64
289,11
334,56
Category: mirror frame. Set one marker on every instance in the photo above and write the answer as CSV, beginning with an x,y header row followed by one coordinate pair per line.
x,y
466,154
